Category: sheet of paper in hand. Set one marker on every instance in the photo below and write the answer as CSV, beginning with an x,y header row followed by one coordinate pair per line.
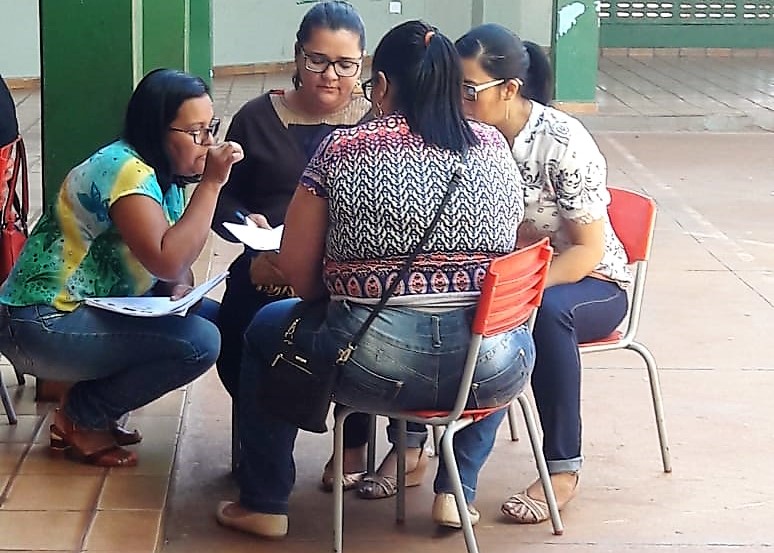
x,y
160,306
256,238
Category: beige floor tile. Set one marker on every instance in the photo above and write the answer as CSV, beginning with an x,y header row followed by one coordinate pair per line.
x,y
22,530
124,531
9,457
40,461
53,493
24,400
154,460
134,492
168,405
156,430
22,432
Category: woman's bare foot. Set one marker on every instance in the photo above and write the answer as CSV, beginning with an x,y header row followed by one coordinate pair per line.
x,y
565,484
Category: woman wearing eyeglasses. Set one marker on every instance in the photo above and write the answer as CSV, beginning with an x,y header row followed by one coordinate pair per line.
x,y
119,227
508,85
280,131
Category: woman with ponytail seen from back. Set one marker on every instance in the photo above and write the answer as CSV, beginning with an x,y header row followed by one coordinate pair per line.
x,y
362,204
508,85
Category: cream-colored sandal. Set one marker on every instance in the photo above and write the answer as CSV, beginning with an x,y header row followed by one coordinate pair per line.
x,y
265,525
445,511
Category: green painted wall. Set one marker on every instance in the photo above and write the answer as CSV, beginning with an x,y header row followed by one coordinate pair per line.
x,y
83,109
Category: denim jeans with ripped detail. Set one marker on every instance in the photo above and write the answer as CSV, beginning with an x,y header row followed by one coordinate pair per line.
x,y
409,359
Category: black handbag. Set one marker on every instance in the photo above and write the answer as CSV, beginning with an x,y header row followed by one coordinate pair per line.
x,y
299,388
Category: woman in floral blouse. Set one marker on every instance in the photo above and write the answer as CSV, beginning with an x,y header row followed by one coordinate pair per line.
x,y
508,84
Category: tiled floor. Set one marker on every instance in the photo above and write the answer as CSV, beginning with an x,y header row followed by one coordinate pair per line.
x,y
711,287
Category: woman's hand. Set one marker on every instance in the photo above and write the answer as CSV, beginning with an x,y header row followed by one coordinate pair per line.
x,y
180,291
259,220
220,158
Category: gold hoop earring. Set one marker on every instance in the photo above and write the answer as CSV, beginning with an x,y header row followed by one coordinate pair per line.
x,y
378,110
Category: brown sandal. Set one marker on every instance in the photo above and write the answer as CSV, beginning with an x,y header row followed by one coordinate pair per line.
x,y
93,447
124,437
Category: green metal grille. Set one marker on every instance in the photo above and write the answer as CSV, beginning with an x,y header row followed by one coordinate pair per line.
x,y
686,24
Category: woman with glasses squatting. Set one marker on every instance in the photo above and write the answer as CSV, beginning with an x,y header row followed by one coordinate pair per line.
x,y
508,85
280,131
119,227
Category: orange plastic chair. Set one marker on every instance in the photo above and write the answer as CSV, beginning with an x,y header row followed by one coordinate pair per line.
x,y
511,292
633,217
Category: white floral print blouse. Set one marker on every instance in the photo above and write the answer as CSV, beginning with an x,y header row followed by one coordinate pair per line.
x,y
565,179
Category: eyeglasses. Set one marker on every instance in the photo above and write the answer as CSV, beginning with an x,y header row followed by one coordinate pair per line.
x,y
200,136
368,88
470,91
317,63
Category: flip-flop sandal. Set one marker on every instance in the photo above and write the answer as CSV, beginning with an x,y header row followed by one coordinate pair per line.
x,y
523,509
376,486
351,481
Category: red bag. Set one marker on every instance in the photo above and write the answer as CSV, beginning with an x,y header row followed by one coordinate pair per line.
x,y
13,224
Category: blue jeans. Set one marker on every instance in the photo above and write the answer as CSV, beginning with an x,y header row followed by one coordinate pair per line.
x,y
570,313
407,360
118,363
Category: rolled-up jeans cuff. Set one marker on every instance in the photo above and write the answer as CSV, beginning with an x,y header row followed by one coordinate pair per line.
x,y
565,465
414,439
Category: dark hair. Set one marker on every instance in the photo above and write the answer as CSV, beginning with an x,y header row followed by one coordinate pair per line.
x,y
152,108
332,15
426,72
503,55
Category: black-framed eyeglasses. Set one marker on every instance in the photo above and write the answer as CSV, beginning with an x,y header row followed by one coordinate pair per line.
x,y
470,91
368,89
200,136
317,63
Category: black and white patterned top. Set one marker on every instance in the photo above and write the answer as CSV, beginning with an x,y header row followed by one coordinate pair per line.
x,y
384,185
565,179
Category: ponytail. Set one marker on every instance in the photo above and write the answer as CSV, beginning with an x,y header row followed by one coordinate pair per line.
x,y
538,84
434,108
425,69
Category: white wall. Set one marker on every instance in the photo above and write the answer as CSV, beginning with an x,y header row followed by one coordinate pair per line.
x,y
19,38
257,31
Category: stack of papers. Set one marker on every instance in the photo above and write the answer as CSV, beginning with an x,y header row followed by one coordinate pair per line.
x,y
160,306
256,238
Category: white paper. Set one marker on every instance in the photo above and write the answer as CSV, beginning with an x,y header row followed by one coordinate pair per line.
x,y
255,237
149,306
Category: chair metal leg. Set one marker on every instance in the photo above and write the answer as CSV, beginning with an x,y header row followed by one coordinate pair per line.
x,y
371,453
9,411
236,447
338,479
512,422
437,433
540,460
658,404
447,450
400,506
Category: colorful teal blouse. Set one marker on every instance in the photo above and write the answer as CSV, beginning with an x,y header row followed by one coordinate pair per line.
x,y
75,251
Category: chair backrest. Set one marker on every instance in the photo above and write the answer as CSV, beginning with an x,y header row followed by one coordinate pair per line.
x,y
633,217
512,289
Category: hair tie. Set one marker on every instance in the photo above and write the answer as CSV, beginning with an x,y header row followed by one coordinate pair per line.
x,y
428,37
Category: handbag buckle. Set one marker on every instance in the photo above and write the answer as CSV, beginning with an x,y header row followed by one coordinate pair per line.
x,y
345,354
290,332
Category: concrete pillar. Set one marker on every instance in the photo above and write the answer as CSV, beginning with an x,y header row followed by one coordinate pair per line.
x,y
575,52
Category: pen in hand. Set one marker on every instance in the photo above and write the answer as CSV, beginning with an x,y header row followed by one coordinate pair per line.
x,y
258,222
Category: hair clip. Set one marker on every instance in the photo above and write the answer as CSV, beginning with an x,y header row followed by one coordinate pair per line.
x,y
428,37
